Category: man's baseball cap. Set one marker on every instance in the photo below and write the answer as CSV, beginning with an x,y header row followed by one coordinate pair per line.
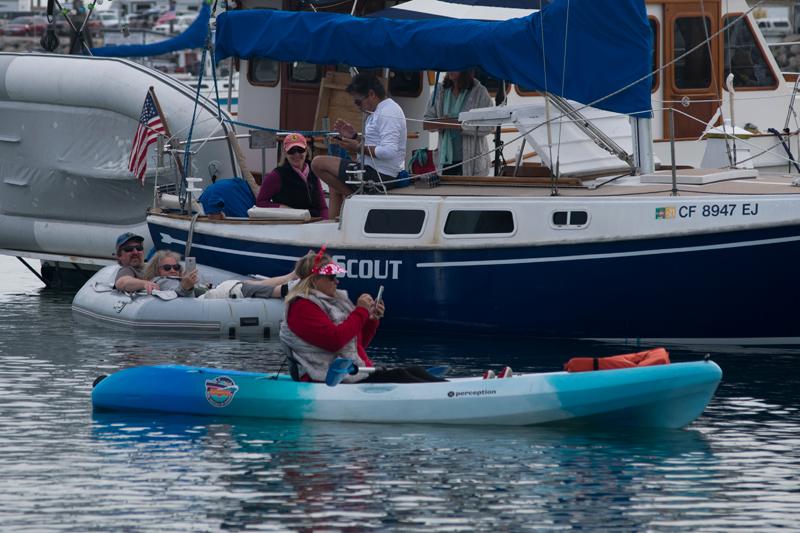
x,y
125,237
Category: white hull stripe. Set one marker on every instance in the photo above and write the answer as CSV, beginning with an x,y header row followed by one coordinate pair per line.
x,y
168,239
586,257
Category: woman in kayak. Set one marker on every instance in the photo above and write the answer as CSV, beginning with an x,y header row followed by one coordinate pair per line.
x,y
322,323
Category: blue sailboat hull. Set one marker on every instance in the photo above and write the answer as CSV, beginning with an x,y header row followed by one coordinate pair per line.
x,y
701,286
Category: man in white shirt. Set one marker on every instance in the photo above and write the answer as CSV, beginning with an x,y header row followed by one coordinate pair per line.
x,y
384,142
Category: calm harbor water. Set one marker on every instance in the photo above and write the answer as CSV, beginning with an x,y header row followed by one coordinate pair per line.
x,y
67,469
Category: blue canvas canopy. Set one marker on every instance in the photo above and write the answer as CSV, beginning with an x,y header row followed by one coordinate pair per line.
x,y
194,37
583,50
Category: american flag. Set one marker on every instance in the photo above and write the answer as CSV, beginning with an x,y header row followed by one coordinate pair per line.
x,y
150,126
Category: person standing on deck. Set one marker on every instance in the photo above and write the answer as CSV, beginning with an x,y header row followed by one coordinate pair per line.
x,y
383,143
130,256
459,91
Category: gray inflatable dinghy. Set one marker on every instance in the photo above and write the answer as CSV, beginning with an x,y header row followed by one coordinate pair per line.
x,y
98,302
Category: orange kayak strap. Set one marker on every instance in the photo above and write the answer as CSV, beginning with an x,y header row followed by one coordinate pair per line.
x,y
656,356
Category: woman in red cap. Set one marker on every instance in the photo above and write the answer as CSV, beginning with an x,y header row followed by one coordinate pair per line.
x,y
322,324
292,183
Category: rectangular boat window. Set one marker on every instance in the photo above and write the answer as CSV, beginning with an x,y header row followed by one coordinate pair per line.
x,y
405,83
745,58
578,218
694,70
560,218
656,37
302,72
478,222
492,84
263,71
395,221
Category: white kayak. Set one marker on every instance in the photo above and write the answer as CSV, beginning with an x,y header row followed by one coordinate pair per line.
x,y
666,396
98,302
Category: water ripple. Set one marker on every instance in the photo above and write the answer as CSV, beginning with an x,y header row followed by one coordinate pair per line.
x,y
66,469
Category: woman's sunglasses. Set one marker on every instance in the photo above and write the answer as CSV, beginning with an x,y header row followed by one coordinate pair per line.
x,y
296,150
176,268
129,249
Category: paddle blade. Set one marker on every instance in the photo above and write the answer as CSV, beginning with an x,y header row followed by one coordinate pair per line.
x,y
338,369
438,371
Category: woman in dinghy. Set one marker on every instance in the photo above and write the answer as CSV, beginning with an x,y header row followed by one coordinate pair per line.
x,y
164,269
322,323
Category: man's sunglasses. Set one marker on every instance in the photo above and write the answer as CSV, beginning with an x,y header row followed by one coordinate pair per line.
x,y
129,249
296,150
176,268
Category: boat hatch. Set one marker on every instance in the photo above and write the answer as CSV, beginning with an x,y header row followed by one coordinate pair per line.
x,y
577,219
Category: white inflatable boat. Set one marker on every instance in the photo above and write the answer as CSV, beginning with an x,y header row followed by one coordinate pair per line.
x,y
98,302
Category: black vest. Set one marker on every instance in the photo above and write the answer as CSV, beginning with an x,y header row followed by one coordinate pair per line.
x,y
295,193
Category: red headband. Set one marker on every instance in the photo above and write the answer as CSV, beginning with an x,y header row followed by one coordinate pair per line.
x,y
328,269
318,259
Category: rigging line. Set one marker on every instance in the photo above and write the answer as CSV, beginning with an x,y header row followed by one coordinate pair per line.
x,y
546,87
670,63
718,90
213,62
563,82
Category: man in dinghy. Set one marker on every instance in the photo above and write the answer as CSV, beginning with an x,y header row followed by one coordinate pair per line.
x,y
323,324
130,256
383,144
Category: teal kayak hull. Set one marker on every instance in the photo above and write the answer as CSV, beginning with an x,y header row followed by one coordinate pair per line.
x,y
665,396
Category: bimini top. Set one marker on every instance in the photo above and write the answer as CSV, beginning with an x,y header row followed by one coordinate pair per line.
x,y
589,51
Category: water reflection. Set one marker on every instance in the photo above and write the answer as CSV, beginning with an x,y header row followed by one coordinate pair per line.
x,y
336,475
68,469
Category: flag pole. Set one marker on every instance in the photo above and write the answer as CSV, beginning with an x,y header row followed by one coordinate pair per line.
x,y
167,133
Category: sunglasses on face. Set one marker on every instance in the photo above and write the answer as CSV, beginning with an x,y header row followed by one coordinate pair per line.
x,y
296,150
176,268
129,249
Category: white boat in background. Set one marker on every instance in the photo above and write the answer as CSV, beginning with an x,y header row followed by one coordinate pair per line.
x,y
225,91
774,29
65,139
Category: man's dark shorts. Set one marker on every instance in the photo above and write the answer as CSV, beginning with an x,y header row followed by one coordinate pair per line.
x,y
369,174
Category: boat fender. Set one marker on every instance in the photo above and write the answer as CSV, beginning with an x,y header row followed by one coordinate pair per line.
x,y
656,356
